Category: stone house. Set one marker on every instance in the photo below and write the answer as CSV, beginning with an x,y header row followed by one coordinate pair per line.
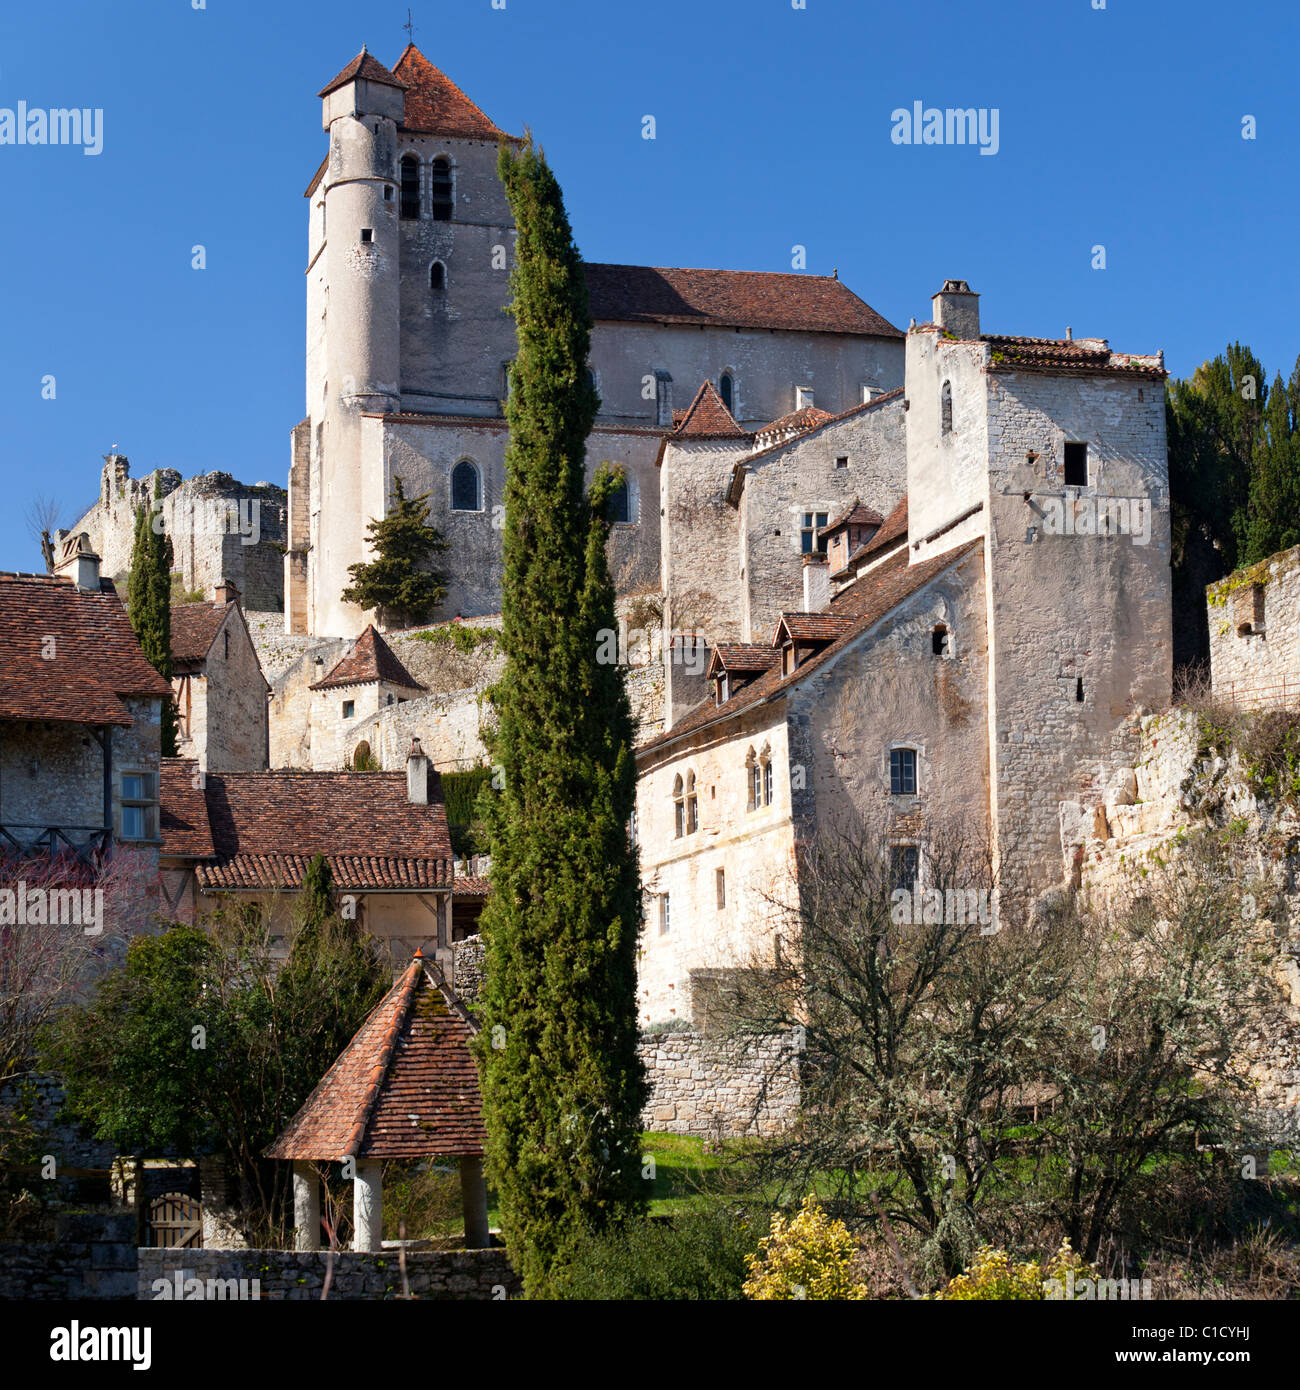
x,y
80,725
248,837
368,677
220,690
976,655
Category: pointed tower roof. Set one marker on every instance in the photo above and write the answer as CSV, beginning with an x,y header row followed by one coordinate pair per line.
x,y
708,418
364,66
435,105
369,658
405,1087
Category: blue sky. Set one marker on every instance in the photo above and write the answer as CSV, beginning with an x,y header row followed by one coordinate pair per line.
x,y
1119,127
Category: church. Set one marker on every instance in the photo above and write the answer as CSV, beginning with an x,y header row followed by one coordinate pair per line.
x,y
410,247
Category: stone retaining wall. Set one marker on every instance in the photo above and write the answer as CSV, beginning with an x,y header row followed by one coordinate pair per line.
x,y
718,1087
93,1255
298,1276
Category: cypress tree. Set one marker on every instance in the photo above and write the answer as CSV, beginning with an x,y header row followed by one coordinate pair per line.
x,y
148,604
1275,481
563,1085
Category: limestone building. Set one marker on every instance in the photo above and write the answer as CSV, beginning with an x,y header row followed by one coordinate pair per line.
x,y
410,247
977,653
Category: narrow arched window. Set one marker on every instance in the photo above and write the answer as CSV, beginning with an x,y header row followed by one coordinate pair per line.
x,y
692,805
945,408
679,808
409,208
437,277
440,199
620,504
464,487
727,390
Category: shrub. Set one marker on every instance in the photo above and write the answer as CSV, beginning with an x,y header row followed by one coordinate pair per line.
x,y
809,1256
699,1255
993,1275
460,794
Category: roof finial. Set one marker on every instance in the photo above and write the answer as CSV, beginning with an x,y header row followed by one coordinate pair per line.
x,y
409,26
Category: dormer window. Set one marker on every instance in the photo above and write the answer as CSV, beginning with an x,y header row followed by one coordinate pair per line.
x,y
787,659
723,689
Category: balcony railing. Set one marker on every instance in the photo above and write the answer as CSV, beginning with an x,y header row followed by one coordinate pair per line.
x,y
88,843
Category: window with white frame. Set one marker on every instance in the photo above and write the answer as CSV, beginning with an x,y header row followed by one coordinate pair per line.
x,y
139,805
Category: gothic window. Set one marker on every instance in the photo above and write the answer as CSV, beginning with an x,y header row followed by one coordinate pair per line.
x,y
1076,463
945,408
409,207
620,504
902,771
464,487
692,805
939,643
437,277
440,199
753,782
679,808
727,390
767,781
809,541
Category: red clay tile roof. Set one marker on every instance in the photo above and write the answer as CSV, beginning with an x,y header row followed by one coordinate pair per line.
x,y
708,418
738,656
369,658
469,886
856,515
806,419
406,1086
1070,357
68,655
893,528
811,627
183,810
435,105
267,827
194,629
731,299
367,67
866,602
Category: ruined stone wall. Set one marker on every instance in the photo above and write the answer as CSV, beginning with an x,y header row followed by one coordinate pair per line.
x,y
219,528
719,1088
1255,632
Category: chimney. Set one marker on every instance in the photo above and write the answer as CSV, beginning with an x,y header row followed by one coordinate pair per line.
x,y
957,308
78,560
816,583
225,592
417,775
803,397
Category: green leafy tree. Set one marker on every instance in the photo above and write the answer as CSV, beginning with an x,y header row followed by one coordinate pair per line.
x,y
1274,505
563,1085
398,582
316,900
203,1043
148,602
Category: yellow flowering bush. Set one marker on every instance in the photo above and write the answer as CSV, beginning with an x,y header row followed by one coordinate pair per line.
x,y
993,1274
808,1256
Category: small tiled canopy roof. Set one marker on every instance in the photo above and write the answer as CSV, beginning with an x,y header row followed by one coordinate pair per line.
x,y
737,656
194,629
405,1087
731,299
268,826
708,418
68,655
812,627
856,515
369,658
893,529
367,68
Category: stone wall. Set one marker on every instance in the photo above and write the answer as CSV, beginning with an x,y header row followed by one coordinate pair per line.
x,y
1255,632
719,1087
298,1276
93,1255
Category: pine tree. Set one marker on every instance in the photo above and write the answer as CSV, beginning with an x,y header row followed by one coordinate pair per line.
x,y
1275,481
397,581
148,603
563,1084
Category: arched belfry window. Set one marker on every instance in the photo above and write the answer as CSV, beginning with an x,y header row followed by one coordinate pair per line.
x,y
727,390
440,199
409,208
465,487
437,277
945,408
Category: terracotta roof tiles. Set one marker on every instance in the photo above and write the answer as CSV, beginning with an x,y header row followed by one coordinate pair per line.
x,y
1070,356
708,418
435,105
369,658
194,629
183,810
366,67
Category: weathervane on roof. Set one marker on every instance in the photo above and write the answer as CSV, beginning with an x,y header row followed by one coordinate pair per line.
x,y
409,26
